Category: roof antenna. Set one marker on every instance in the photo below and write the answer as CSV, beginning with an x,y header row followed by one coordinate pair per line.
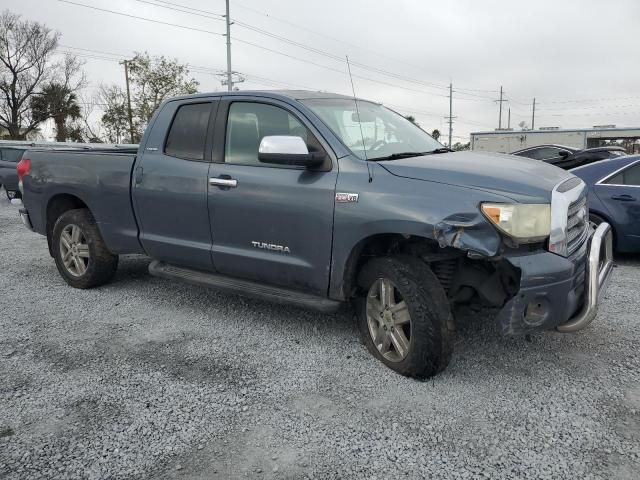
x,y
355,100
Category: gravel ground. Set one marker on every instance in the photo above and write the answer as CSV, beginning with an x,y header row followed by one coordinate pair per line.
x,y
145,378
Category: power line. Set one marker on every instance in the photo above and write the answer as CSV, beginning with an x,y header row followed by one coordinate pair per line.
x,y
314,49
208,14
342,72
141,18
211,15
254,45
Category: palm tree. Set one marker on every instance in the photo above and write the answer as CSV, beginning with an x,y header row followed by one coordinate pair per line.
x,y
58,102
436,134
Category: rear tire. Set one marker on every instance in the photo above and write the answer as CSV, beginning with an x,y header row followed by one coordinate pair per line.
x,y
413,333
81,255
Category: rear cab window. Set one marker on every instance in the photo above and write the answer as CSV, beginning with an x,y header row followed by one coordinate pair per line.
x,y
188,132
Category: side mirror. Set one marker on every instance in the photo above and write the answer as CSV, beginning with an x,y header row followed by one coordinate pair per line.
x,y
563,154
287,150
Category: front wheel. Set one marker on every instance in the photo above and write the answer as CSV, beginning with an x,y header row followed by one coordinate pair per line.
x,y
405,318
81,255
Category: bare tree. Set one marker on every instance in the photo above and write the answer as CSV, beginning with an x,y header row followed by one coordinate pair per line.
x,y
86,127
25,51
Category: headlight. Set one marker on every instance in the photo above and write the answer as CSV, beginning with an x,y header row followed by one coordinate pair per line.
x,y
524,223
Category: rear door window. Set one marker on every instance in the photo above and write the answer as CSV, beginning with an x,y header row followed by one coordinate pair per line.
x,y
630,176
188,132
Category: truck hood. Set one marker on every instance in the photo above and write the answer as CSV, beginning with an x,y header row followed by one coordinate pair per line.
x,y
518,178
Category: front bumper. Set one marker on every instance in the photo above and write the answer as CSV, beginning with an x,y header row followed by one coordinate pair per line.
x,y
559,292
598,272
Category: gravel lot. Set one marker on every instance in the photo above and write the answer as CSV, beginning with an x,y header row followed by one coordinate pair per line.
x,y
145,378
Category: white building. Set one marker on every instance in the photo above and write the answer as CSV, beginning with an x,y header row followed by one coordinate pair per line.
x,y
507,141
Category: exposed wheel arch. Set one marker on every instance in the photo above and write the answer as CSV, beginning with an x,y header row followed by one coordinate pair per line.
x,y
57,205
377,245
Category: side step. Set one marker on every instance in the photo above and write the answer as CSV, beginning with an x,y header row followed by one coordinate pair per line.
x,y
243,287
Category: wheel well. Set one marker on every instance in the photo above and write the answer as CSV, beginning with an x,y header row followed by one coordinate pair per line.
x,y
57,205
380,245
464,280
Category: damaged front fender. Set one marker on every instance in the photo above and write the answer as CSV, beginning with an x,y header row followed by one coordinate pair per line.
x,y
468,231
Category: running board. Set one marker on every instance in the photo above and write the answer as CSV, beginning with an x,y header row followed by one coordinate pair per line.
x,y
243,287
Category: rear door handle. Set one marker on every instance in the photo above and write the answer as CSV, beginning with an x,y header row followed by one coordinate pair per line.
x,y
624,198
223,182
139,172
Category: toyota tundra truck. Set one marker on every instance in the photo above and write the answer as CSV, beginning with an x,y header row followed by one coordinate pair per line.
x,y
320,200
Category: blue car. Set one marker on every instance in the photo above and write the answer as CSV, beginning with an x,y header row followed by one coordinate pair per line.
x,y
614,197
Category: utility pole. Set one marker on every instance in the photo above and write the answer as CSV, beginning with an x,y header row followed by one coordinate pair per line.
x,y
509,120
229,73
126,77
533,115
450,113
500,110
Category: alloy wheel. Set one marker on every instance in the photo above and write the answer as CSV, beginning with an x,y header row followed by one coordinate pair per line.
x,y
74,250
388,320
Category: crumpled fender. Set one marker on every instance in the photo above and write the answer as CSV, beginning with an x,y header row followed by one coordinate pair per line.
x,y
467,231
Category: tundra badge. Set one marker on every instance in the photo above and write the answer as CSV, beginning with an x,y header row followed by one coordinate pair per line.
x,y
271,246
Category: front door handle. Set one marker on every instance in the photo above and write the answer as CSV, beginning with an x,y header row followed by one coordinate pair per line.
x,y
139,173
223,182
624,198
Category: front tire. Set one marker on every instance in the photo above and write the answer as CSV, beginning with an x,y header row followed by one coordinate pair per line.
x,y
81,255
405,318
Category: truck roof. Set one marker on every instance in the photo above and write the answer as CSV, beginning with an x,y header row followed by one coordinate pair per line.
x,y
288,94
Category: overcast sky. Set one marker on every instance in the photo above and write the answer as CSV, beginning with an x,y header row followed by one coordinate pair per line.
x,y
579,58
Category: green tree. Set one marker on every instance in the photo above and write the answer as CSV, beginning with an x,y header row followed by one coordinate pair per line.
x,y
435,134
25,53
151,81
115,118
56,101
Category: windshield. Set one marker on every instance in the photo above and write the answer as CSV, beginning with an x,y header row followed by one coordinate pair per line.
x,y
386,133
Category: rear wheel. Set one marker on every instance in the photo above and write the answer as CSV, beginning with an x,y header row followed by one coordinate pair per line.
x,y
81,255
405,318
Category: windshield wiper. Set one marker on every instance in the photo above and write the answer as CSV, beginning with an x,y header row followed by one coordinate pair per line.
x,y
396,156
440,150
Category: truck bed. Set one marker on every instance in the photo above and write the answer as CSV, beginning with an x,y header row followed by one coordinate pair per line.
x,y
100,178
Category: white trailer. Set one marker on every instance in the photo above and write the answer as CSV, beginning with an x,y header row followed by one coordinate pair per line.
x,y
507,141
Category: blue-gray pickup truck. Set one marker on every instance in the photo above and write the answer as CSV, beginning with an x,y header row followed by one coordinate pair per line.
x,y
319,200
